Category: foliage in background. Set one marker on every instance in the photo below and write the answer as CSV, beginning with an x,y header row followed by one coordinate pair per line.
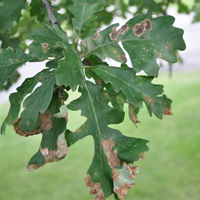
x,y
77,60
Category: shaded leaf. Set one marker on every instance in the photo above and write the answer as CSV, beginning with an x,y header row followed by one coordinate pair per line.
x,y
10,12
37,9
110,151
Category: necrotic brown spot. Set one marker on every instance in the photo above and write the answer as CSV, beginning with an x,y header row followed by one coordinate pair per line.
x,y
148,24
95,36
140,28
123,29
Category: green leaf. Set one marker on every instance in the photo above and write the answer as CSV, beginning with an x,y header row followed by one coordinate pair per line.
x,y
48,35
137,89
53,146
83,12
10,12
44,51
70,70
99,44
112,149
48,42
144,38
17,98
10,61
37,102
37,9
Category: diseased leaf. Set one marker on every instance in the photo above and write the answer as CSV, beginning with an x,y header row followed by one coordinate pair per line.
x,y
48,42
83,12
37,102
101,45
144,38
53,146
137,89
17,98
10,12
10,61
110,151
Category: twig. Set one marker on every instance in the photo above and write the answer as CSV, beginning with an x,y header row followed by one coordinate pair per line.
x,y
51,16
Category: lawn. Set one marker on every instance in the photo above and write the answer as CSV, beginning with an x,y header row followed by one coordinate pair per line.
x,y
169,171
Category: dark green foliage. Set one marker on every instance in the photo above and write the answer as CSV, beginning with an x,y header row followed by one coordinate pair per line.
x,y
78,61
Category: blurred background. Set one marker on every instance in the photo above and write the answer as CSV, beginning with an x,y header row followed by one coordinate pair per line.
x,y
171,167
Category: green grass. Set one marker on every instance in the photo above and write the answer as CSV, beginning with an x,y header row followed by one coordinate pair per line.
x,y
169,171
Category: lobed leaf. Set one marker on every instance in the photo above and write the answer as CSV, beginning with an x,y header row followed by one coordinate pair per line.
x,y
53,146
17,98
144,38
137,89
10,12
70,70
83,12
110,152
38,101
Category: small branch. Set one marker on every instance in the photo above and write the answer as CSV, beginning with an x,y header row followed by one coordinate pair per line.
x,y
51,16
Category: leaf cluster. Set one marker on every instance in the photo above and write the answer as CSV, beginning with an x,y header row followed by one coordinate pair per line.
x,y
79,63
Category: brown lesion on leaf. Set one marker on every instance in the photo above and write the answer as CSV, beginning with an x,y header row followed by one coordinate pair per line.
x,y
95,36
122,57
84,43
121,187
94,188
123,29
167,111
33,167
16,126
132,114
111,154
52,155
45,47
141,27
55,155
148,99
115,33
46,123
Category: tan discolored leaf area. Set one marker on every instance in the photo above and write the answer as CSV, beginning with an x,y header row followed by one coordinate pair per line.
x,y
16,126
46,124
94,188
167,111
115,33
123,179
60,153
133,114
52,155
111,155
